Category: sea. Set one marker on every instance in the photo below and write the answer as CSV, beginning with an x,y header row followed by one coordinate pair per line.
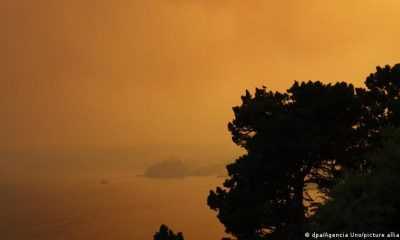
x,y
48,204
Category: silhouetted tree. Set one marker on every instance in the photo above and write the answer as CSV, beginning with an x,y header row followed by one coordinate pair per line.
x,y
292,139
366,202
381,106
167,234
296,138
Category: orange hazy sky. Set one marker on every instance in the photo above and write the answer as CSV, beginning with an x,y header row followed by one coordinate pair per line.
x,y
127,72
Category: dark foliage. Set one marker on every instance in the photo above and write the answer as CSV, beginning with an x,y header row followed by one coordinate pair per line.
x,y
366,202
300,137
292,139
167,234
380,109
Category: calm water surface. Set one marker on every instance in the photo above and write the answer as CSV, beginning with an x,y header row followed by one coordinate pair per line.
x,y
75,205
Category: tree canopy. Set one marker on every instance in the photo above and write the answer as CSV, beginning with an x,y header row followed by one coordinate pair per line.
x,y
303,136
292,139
167,234
366,202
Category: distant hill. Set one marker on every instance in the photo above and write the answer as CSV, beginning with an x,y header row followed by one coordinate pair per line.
x,y
180,169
